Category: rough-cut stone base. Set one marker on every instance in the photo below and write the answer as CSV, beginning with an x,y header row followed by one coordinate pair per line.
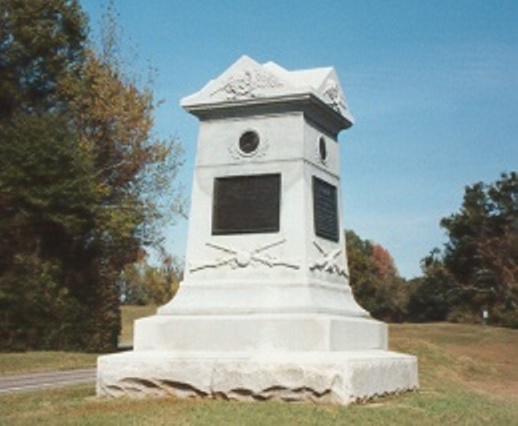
x,y
330,377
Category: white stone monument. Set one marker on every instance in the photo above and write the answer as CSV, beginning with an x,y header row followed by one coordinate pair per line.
x,y
265,310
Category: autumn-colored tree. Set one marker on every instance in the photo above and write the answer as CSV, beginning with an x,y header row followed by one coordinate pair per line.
x,y
374,279
143,284
383,262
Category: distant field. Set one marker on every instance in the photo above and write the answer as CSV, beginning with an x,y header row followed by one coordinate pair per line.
x,y
468,375
128,315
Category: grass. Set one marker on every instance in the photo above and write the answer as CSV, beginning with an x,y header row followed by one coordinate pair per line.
x,y
483,359
39,361
78,406
468,375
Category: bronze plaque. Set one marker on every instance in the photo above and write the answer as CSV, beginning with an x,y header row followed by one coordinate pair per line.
x,y
325,210
246,204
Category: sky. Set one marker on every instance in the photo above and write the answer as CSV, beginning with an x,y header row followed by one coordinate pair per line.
x,y
432,85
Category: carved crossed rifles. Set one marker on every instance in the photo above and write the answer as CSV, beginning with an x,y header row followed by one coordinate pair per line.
x,y
243,258
328,262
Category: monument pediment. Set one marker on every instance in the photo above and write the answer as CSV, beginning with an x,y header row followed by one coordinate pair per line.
x,y
244,80
247,81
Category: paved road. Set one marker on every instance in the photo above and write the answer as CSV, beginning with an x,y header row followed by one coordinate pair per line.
x,y
38,381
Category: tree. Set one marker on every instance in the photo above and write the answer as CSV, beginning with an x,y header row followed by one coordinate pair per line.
x,y
383,262
83,180
482,251
144,284
39,42
374,279
46,205
430,296
44,176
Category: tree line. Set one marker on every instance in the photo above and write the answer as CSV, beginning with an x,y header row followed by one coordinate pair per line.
x,y
475,272
84,180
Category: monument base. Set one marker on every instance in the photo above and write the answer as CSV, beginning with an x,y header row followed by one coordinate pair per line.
x,y
253,333
328,377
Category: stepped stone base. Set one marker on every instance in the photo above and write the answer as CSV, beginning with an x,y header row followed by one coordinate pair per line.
x,y
328,377
254,333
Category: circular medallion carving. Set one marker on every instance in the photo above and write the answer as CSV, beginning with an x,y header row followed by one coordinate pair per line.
x,y
243,258
249,142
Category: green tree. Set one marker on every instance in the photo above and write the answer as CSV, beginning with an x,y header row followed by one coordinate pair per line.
x,y
374,279
40,40
482,251
44,176
46,205
430,296
84,182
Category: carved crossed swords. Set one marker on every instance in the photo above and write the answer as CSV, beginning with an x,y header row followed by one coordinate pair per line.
x,y
328,263
243,258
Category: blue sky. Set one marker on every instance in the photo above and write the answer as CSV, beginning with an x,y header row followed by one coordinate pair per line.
x,y
433,87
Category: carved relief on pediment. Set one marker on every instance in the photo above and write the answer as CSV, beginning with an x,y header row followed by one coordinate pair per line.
x,y
334,96
248,83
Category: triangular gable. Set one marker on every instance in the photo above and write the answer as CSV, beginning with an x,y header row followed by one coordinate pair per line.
x,y
331,92
245,79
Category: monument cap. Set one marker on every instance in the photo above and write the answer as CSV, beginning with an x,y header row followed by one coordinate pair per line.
x,y
269,88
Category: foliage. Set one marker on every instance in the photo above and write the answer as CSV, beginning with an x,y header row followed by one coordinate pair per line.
x,y
383,262
430,298
478,268
39,42
482,252
374,279
144,284
84,182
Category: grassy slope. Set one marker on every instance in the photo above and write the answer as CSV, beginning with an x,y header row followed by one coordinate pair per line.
x,y
482,359
468,376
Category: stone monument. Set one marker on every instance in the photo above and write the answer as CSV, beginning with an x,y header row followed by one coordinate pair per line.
x,y
265,310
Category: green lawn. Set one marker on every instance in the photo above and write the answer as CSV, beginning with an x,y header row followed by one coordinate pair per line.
x,y
432,406
30,362
468,375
